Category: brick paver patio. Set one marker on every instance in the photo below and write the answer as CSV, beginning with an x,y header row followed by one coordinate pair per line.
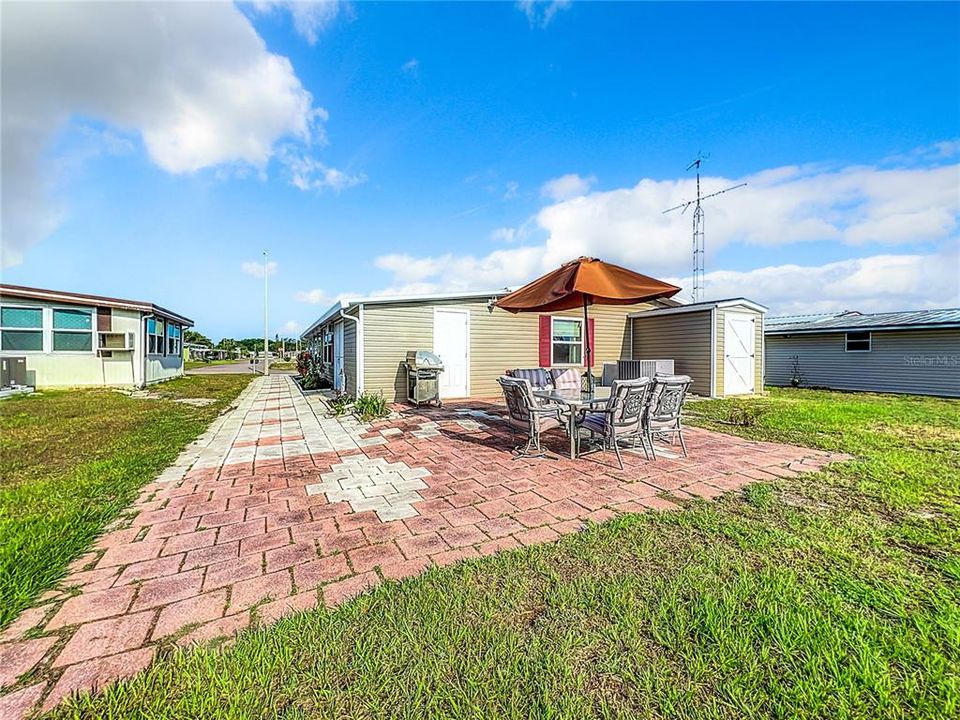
x,y
277,509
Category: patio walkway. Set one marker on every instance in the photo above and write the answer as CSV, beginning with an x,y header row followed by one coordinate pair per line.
x,y
276,509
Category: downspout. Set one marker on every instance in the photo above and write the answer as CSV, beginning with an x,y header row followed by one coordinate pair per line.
x,y
143,347
343,372
713,352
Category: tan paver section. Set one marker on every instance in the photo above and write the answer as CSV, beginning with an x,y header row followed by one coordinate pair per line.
x,y
278,509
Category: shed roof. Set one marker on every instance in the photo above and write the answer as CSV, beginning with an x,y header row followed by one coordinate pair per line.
x,y
69,298
701,306
852,320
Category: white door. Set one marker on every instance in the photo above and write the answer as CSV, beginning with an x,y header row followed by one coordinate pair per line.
x,y
739,350
451,341
338,356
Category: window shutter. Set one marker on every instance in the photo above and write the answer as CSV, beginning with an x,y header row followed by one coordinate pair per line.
x,y
104,319
546,340
593,343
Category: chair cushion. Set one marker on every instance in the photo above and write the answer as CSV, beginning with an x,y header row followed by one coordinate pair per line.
x,y
566,379
539,378
594,421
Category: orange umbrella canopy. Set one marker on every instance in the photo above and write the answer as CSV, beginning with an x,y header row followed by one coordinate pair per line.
x,y
585,281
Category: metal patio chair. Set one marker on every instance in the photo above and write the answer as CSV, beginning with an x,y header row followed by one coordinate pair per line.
x,y
666,405
525,413
621,419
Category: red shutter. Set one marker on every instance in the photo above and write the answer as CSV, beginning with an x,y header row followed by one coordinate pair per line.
x,y
546,340
593,343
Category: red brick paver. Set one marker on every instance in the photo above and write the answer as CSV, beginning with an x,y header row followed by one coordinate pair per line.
x,y
284,519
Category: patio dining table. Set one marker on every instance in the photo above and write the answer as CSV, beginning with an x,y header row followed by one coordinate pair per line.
x,y
577,402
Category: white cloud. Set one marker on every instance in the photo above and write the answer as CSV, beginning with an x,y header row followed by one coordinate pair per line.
x,y
291,327
567,186
850,206
194,81
870,284
308,173
314,297
504,234
411,67
256,269
310,17
540,13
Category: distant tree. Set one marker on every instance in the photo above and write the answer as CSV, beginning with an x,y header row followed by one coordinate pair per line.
x,y
196,338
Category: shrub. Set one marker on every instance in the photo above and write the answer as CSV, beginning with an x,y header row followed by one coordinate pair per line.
x,y
370,406
304,363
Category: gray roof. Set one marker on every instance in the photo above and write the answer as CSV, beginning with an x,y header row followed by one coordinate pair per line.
x,y
851,320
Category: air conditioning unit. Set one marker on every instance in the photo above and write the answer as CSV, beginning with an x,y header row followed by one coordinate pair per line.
x,y
13,372
116,341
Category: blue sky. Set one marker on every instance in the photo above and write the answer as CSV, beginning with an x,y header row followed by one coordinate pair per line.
x,y
384,148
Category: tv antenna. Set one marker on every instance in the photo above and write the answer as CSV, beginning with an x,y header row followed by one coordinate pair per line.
x,y
698,246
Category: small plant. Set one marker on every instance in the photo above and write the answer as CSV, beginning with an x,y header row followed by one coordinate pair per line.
x,y
340,405
370,406
744,415
796,378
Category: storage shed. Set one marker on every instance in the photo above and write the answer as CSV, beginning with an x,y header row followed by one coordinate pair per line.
x,y
720,344
915,352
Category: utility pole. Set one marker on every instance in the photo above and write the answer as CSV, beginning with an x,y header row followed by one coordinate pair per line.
x,y
698,228
266,321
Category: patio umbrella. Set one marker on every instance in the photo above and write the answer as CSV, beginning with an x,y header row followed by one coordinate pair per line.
x,y
581,283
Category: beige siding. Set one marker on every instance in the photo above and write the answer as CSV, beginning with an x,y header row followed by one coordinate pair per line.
x,y
498,341
350,356
684,337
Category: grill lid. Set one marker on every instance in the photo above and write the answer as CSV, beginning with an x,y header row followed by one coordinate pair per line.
x,y
423,360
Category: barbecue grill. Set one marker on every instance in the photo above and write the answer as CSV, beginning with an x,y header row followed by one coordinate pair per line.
x,y
423,377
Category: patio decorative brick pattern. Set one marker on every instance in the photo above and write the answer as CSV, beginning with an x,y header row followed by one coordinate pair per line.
x,y
278,509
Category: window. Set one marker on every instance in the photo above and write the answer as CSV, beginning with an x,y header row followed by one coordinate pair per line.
x,y
567,342
173,339
327,355
154,336
858,342
72,330
21,329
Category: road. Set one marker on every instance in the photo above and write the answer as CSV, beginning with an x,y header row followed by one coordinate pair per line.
x,y
239,368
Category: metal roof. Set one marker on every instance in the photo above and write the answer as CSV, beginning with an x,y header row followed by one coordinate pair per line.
x,y
71,298
907,319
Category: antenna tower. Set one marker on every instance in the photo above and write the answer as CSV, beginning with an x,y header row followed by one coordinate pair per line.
x,y
698,226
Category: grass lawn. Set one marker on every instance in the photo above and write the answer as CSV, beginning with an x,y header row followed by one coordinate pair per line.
x,y
72,460
835,595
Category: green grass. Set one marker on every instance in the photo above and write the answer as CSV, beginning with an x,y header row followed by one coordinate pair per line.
x,y
72,460
835,595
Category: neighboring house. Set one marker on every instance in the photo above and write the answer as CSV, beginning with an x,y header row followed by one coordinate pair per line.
x,y
916,352
364,341
70,339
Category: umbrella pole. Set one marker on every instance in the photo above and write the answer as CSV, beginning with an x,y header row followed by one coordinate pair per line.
x,y
589,354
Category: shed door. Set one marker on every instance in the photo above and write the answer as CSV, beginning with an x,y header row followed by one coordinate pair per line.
x,y
338,356
738,353
451,341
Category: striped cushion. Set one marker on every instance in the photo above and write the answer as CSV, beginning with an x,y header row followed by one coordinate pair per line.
x,y
567,379
538,377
